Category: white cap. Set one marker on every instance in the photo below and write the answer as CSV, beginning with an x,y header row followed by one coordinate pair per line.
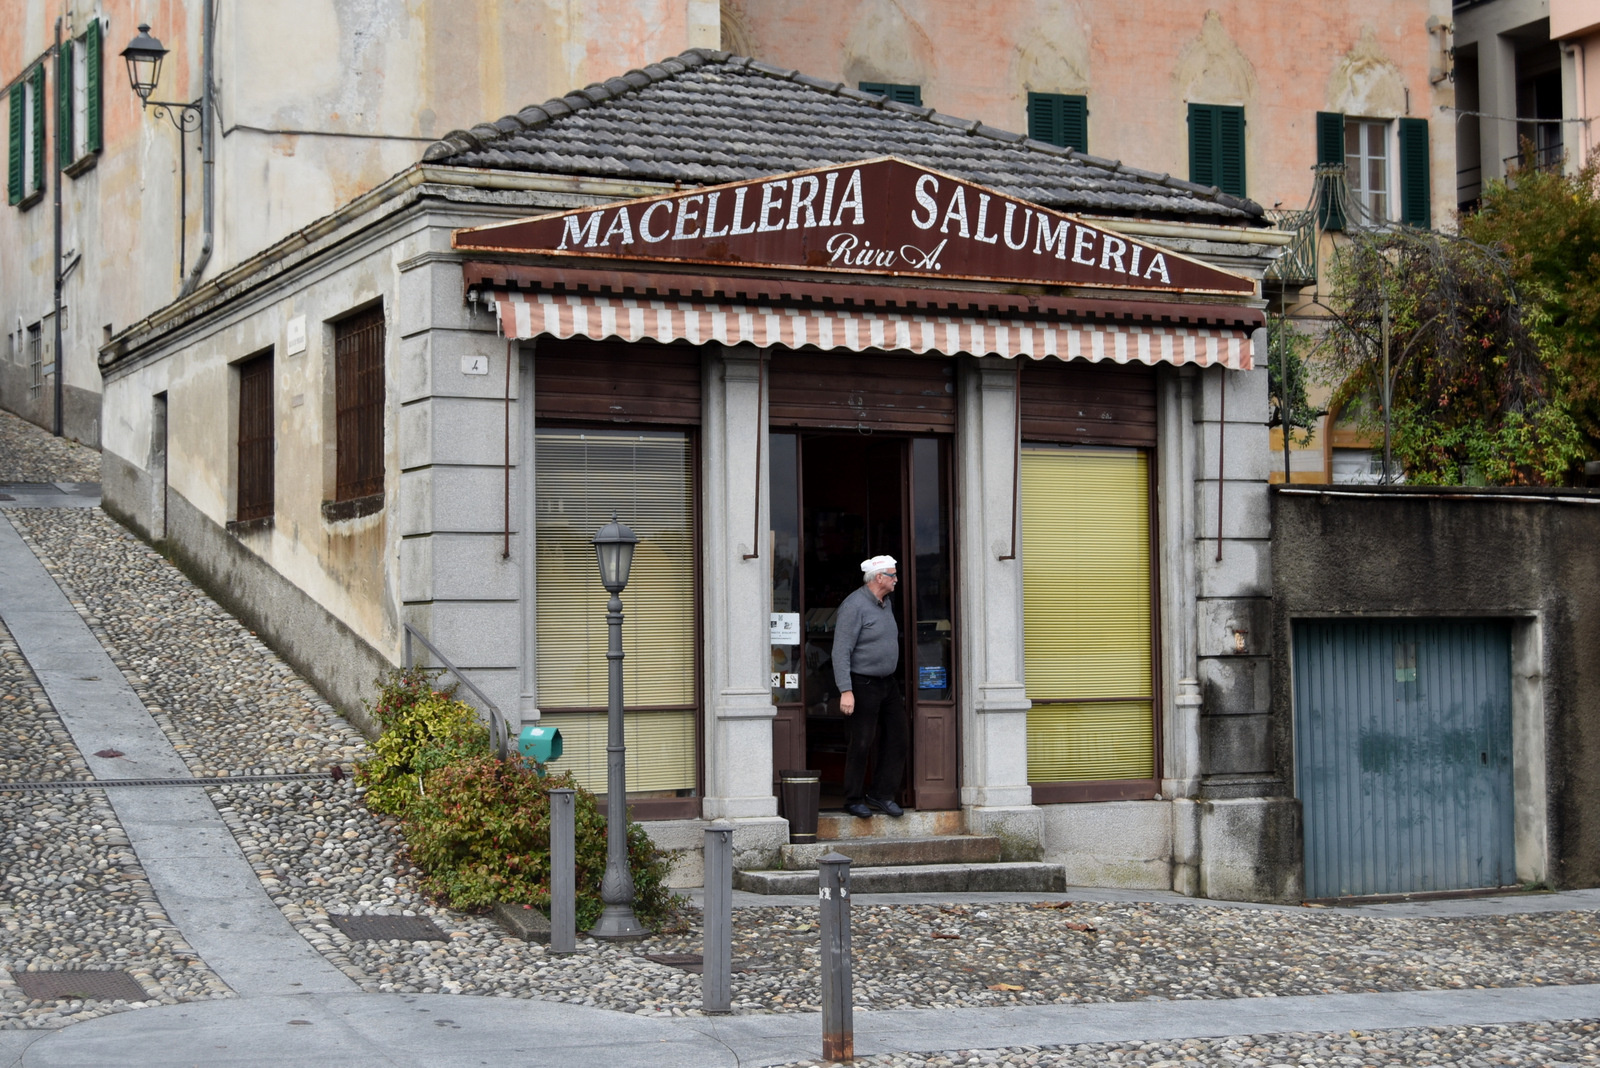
x,y
877,563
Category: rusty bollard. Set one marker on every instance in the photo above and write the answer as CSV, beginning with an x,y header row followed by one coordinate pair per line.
x,y
838,1022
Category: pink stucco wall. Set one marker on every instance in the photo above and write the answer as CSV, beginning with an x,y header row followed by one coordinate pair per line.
x,y
1139,62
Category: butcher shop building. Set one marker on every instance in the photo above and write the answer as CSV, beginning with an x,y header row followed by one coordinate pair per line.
x,y
777,326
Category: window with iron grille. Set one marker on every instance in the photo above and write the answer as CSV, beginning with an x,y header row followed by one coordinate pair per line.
x,y
359,407
256,438
36,357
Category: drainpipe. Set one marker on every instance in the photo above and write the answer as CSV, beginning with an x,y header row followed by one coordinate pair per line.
x,y
59,362
207,150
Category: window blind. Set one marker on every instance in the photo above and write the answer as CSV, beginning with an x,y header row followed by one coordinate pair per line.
x,y
902,94
1330,153
647,480
1416,208
1087,638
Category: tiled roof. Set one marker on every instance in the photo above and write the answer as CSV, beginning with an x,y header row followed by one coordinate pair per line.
x,y
707,117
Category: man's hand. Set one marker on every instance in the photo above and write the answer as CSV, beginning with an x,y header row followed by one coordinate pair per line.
x,y
847,702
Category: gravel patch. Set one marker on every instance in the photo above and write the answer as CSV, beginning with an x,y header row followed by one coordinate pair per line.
x,y
73,897
32,454
34,743
1562,1042
225,700
321,851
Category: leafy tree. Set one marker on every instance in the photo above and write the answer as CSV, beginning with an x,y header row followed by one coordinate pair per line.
x,y
1547,225
1474,394
1286,351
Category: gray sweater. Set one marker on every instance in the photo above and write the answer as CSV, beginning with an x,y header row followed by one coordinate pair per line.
x,y
866,638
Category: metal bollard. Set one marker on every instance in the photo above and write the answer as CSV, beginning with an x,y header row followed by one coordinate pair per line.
x,y
563,873
838,1021
716,952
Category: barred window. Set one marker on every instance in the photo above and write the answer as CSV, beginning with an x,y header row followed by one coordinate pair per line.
x,y
358,404
256,438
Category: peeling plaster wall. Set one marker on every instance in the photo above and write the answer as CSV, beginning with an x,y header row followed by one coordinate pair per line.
x,y
317,102
1139,62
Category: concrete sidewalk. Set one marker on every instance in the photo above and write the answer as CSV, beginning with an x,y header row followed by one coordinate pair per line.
x,y
440,1031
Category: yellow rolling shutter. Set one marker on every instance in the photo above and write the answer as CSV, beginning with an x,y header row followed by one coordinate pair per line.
x,y
1086,614
647,479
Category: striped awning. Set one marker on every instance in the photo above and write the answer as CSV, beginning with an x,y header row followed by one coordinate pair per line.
x,y
564,315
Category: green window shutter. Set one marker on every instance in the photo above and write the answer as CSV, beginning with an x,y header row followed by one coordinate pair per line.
x,y
64,104
1230,150
1416,208
1202,144
1059,119
38,128
91,70
901,94
14,153
1330,153
1216,147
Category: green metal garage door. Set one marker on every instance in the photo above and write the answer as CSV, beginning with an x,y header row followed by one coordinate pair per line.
x,y
1403,755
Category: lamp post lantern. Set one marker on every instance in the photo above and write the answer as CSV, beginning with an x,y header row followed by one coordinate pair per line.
x,y
613,548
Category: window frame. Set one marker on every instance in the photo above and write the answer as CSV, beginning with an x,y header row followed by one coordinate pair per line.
x,y
1208,137
899,92
1071,114
255,442
81,100
1391,165
359,475
656,808
25,160
1088,790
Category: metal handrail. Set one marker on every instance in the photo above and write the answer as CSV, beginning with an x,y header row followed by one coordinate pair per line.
x,y
499,726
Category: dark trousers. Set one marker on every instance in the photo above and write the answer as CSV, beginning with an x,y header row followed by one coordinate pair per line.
x,y
880,709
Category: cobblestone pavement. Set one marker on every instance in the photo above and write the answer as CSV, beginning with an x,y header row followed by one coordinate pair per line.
x,y
231,706
1544,1045
31,454
226,701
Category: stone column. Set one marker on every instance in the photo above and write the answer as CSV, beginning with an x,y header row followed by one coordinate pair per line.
x,y
994,703
737,591
1497,96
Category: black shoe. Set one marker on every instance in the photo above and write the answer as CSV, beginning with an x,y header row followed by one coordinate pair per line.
x,y
887,807
859,810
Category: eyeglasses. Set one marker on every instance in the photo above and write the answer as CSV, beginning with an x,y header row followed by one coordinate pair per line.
x,y
891,575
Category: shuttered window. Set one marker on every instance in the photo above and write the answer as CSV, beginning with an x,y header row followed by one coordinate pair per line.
x,y
1087,618
647,479
25,140
1216,147
359,405
256,438
903,94
1059,119
1416,208
1330,153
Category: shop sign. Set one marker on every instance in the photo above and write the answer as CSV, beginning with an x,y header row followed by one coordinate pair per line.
x,y
876,217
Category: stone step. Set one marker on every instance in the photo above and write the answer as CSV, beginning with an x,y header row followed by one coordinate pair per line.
x,y
887,852
1012,876
832,826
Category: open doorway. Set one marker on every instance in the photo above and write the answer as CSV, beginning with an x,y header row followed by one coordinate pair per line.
x,y
838,499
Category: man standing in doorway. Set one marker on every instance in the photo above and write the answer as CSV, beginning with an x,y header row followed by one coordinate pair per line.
x,y
866,657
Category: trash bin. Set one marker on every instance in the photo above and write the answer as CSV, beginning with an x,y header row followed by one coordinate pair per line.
x,y
800,794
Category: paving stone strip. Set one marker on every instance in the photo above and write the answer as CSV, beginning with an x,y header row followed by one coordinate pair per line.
x,y
34,743
226,701
29,453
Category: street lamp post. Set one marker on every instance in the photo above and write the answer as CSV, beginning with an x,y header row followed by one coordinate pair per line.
x,y
143,56
613,547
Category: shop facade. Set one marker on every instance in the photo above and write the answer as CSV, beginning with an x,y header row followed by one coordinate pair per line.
x,y
1055,423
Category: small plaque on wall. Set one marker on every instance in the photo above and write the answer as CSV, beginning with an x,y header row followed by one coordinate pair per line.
x,y
294,336
474,365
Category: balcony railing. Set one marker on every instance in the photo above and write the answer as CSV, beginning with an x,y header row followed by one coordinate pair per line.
x,y
1298,264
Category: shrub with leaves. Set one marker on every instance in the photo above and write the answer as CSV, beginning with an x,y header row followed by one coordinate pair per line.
x,y
424,729
481,834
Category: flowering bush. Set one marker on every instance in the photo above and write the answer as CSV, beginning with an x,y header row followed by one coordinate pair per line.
x,y
424,729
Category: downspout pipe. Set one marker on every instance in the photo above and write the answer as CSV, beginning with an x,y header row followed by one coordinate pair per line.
x,y
208,187
56,423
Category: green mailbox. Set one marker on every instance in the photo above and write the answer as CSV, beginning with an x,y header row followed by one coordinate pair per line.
x,y
540,744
